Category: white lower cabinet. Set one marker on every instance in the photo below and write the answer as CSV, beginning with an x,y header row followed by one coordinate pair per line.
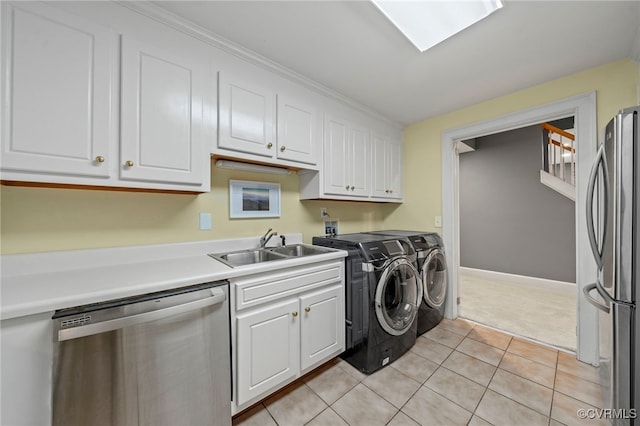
x,y
286,323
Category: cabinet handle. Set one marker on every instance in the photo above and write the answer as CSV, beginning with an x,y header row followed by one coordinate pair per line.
x,y
282,148
294,313
269,145
307,309
128,163
99,159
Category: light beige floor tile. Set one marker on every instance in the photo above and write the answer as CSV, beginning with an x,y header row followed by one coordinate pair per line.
x,y
478,421
327,418
521,390
431,350
578,388
414,366
479,350
533,351
555,423
528,369
565,410
351,370
429,408
500,410
330,382
256,416
294,405
457,388
568,363
392,385
470,367
458,325
444,337
401,419
361,406
490,337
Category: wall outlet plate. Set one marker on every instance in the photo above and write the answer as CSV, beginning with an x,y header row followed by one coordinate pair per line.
x,y
205,221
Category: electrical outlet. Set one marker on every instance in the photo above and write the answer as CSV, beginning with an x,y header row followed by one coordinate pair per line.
x,y
438,222
323,212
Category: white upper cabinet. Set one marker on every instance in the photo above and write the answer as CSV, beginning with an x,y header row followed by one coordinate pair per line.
x,y
346,158
266,125
297,130
67,77
247,116
161,115
58,81
387,168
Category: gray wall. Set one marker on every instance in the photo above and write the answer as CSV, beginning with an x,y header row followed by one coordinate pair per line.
x,y
509,221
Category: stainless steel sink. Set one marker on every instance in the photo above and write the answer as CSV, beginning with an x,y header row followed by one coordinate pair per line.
x,y
248,257
252,256
298,250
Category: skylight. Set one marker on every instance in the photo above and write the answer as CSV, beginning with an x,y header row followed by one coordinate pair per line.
x,y
427,23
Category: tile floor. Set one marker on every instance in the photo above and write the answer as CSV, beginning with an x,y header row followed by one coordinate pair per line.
x,y
459,373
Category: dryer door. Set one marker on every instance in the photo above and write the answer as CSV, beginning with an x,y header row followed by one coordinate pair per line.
x,y
398,296
434,278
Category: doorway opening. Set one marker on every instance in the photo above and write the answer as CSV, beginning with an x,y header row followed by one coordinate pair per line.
x,y
583,108
517,235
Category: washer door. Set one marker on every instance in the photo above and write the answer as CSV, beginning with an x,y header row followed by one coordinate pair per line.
x,y
434,278
398,296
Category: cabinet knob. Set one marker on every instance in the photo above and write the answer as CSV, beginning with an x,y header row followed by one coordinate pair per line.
x,y
346,187
99,159
307,309
128,163
269,145
294,313
282,148
391,191
353,187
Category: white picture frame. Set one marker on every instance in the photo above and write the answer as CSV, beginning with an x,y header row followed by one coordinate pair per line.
x,y
249,199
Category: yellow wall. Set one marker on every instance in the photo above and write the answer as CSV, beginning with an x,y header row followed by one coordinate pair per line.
x,y
616,87
51,219
46,219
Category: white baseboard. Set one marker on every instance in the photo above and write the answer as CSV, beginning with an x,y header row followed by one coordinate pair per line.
x,y
558,286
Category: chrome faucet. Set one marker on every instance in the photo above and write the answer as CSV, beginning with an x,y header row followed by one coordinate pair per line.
x,y
266,237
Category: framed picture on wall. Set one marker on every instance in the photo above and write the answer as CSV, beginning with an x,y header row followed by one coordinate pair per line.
x,y
248,199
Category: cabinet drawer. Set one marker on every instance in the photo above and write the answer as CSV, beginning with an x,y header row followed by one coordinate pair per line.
x,y
257,289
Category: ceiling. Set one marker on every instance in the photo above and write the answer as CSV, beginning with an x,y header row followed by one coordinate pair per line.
x,y
351,48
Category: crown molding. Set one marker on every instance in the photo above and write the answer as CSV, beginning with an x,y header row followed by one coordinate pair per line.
x,y
194,30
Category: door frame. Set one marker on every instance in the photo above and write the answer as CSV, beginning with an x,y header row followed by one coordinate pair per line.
x,y
583,108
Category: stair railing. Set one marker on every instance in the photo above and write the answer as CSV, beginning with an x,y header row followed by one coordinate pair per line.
x,y
559,151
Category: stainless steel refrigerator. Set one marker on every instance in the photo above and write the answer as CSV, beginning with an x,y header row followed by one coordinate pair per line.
x,y
612,218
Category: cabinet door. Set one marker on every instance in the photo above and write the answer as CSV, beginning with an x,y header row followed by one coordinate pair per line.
x,y
337,156
360,165
57,73
380,171
162,115
322,326
267,349
296,131
394,162
247,121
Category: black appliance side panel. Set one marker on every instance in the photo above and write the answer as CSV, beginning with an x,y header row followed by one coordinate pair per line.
x,y
354,293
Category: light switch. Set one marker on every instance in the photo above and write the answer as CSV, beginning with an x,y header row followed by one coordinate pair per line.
x,y
438,222
205,221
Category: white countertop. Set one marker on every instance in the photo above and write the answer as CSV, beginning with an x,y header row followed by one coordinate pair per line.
x,y
44,282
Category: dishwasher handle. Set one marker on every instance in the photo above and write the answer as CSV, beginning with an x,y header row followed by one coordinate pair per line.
x,y
217,296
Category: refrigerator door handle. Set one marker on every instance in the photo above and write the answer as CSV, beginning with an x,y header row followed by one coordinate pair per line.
x,y
588,289
593,177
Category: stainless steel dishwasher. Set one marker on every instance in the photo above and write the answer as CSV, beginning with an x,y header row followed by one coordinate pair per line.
x,y
157,359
